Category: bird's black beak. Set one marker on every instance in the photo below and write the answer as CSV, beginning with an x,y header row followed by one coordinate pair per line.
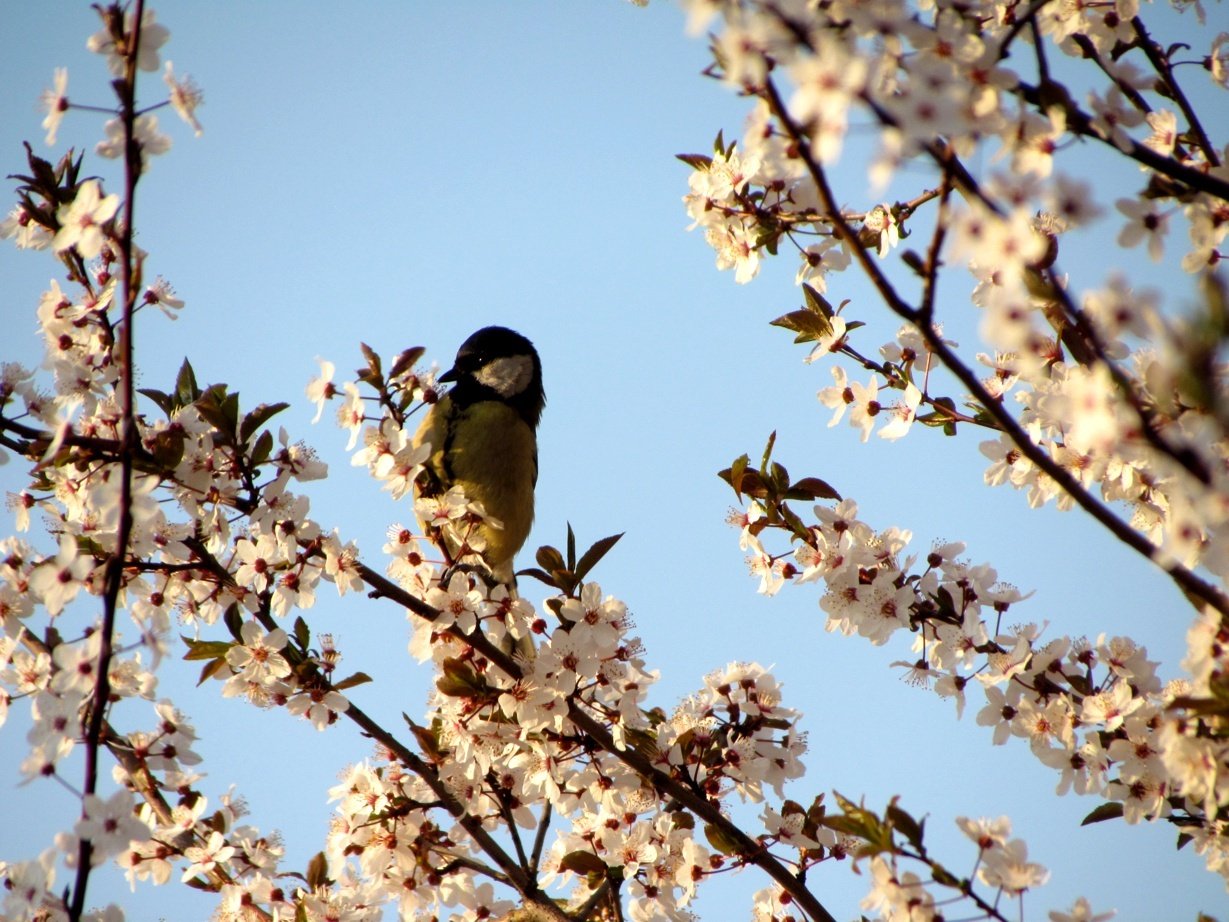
x,y
450,375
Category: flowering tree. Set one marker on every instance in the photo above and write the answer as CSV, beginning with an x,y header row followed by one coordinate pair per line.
x,y
544,783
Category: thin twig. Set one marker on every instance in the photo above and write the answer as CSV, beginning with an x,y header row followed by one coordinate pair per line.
x,y
1166,72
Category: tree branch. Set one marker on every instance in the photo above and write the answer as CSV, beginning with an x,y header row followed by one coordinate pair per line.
x,y
114,579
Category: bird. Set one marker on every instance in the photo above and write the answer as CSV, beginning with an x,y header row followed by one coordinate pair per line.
x,y
483,438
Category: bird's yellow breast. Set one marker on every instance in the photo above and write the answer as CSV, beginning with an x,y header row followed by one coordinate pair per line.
x,y
491,453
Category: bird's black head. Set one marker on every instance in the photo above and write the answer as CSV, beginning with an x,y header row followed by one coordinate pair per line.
x,y
499,364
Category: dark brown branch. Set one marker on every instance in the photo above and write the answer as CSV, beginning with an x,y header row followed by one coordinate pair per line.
x,y
114,578
539,839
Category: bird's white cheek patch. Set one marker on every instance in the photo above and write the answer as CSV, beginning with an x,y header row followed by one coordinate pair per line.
x,y
506,376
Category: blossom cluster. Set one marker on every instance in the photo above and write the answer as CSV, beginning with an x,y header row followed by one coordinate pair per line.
x,y
946,71
1002,863
510,737
1094,711
178,517
1093,395
186,515
1114,396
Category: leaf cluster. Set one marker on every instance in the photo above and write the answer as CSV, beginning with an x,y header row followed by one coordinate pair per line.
x,y
567,574
771,485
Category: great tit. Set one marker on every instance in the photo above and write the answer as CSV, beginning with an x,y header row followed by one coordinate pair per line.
x,y
483,437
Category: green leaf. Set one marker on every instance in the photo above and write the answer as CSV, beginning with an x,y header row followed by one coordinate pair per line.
x,y
947,604
263,448
428,738
719,839
168,448
233,619
904,823
549,559
733,475
1110,810
696,161
858,821
580,862
540,575
796,525
571,548
817,303
808,325
302,633
162,400
258,417
359,678
459,680
221,410
1052,93
186,389
847,825
780,478
812,488
216,821
406,360
596,552
206,649
746,482
318,871
772,440
373,359
681,819
210,669
943,876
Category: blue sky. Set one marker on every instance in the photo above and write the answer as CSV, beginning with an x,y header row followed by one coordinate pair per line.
x,y
402,174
